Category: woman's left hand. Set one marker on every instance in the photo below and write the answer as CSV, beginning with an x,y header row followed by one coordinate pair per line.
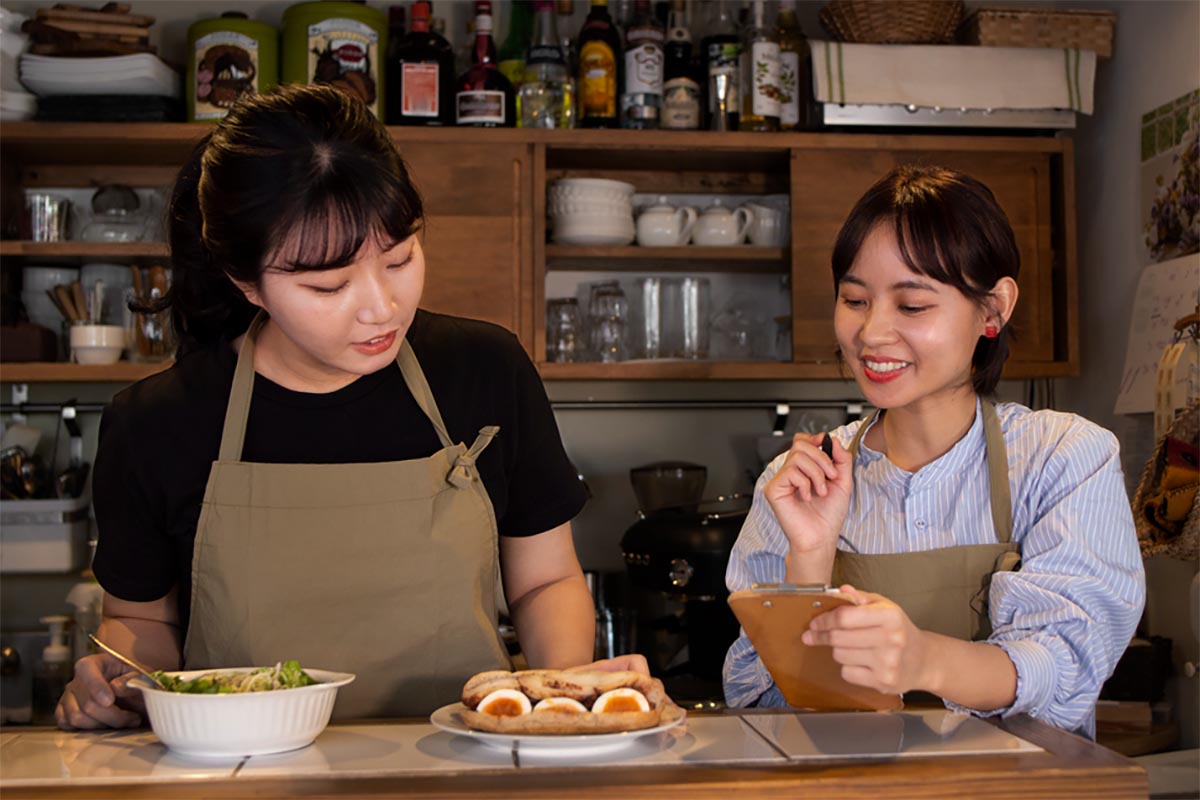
x,y
634,662
876,643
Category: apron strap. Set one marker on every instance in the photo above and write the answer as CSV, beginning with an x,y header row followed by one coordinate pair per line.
x,y
1000,495
414,378
997,458
461,474
233,436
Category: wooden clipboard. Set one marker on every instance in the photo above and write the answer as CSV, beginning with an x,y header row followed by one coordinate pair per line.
x,y
774,617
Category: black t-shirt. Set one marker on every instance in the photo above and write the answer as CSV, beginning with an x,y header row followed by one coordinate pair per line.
x,y
159,437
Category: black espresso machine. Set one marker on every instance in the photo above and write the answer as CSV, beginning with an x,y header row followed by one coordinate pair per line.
x,y
676,554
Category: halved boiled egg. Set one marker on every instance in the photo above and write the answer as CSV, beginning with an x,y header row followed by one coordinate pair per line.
x,y
504,703
621,700
563,705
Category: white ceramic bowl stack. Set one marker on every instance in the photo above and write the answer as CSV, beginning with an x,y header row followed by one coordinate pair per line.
x,y
247,724
591,212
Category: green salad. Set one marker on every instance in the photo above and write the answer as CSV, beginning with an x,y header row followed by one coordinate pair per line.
x,y
284,675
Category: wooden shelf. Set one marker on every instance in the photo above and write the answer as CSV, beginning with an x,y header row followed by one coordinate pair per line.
x,y
63,372
668,259
688,370
84,250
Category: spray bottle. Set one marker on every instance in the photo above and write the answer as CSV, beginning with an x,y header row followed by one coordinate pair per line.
x,y
53,672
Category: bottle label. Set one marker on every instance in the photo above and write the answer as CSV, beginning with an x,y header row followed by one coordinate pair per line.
x,y
226,69
597,80
420,90
644,69
480,108
723,60
789,91
544,54
681,104
764,66
344,53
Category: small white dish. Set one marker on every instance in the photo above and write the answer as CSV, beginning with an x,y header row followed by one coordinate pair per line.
x,y
448,718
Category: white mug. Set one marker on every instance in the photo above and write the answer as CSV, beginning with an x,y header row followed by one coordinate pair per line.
x,y
770,226
718,226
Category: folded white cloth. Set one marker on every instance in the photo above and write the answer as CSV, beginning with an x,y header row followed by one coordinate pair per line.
x,y
950,76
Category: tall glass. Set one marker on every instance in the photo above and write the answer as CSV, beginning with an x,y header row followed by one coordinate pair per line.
x,y
608,311
685,317
562,330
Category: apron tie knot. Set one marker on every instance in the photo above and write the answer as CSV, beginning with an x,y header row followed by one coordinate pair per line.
x,y
463,471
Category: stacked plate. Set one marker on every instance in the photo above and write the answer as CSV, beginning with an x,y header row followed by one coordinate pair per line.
x,y
138,74
592,212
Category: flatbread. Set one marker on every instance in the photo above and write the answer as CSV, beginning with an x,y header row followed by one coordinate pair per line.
x,y
582,686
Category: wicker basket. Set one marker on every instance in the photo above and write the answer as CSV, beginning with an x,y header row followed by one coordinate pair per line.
x,y
890,22
1154,541
1035,27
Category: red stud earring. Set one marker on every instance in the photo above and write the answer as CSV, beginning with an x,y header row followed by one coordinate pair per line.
x,y
991,331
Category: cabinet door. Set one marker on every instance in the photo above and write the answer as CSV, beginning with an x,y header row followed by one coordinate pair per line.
x,y
477,211
827,183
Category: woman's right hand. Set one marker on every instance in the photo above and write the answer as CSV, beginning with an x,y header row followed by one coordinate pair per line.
x,y
810,494
99,696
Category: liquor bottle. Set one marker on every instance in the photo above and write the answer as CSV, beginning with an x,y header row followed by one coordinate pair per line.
x,y
600,59
516,44
719,51
485,97
760,75
566,10
423,93
793,69
544,99
641,100
681,90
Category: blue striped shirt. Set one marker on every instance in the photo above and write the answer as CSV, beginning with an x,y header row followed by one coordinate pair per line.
x,y
1064,618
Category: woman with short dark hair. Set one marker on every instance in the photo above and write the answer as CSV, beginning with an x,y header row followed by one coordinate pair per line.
x,y
989,549
327,473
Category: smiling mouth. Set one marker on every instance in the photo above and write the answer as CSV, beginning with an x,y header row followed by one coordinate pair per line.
x,y
885,367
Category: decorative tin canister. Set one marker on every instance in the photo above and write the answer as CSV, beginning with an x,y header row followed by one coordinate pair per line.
x,y
339,44
228,57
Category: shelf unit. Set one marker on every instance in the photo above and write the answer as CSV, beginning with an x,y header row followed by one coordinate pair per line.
x,y
488,255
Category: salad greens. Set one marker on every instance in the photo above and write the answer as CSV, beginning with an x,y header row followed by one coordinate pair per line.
x,y
284,675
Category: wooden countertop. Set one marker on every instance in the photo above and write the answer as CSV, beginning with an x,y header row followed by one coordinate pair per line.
x,y
1067,766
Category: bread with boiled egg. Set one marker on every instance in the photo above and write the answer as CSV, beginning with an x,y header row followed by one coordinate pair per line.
x,y
550,701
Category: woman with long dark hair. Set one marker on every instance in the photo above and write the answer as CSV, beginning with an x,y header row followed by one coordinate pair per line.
x,y
327,473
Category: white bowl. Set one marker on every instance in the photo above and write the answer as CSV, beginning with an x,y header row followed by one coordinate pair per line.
x,y
39,279
98,344
246,724
592,232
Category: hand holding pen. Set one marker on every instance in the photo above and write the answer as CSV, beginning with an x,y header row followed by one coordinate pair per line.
x,y
810,493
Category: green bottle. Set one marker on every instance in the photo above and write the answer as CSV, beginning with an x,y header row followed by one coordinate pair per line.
x,y
516,44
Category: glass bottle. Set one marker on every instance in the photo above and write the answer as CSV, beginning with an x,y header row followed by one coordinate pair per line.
x,y
719,51
544,99
423,91
485,98
793,69
566,10
641,100
681,90
760,75
600,59
516,43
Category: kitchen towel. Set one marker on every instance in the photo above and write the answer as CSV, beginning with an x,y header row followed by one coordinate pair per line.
x,y
950,76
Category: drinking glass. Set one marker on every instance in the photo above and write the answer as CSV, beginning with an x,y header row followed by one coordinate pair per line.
x,y
562,330
608,310
685,317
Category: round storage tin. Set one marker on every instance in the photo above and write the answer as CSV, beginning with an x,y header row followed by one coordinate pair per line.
x,y
228,57
339,44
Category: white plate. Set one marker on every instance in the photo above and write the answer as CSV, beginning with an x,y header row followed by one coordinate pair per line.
x,y
448,719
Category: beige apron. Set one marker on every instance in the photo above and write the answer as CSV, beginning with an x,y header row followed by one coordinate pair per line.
x,y
944,590
387,570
